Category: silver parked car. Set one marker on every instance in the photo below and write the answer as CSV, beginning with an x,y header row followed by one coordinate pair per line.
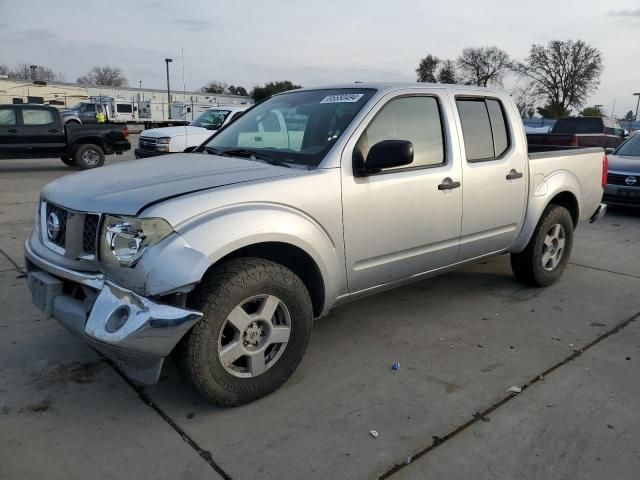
x,y
314,197
623,181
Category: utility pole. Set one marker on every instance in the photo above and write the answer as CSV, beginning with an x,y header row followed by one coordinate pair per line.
x,y
637,104
168,61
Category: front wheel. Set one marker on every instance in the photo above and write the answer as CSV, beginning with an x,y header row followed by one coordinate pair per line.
x,y
255,329
88,156
547,254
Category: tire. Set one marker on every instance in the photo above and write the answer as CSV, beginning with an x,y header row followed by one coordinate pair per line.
x,y
251,285
88,156
72,122
68,161
547,254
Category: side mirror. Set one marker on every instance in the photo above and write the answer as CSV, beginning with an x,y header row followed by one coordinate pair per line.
x,y
385,154
609,151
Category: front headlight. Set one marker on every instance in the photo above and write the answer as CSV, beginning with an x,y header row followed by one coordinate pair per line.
x,y
123,240
162,145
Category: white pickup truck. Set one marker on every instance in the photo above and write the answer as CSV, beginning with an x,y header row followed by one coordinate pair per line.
x,y
223,257
160,141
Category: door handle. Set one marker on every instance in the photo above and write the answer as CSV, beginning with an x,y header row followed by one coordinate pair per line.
x,y
53,130
448,184
12,130
513,174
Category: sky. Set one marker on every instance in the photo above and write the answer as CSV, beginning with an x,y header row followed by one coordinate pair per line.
x,y
250,42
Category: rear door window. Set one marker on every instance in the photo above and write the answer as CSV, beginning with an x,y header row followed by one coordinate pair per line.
x,y
484,128
7,116
37,117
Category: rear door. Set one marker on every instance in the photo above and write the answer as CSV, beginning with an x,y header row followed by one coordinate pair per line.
x,y
41,130
9,139
494,176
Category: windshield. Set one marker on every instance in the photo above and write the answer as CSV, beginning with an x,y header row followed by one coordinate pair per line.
x,y
578,125
631,147
295,128
211,119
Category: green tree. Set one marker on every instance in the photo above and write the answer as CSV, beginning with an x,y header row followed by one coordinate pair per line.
x,y
214,87
592,112
553,112
448,73
484,65
233,90
564,73
427,69
271,88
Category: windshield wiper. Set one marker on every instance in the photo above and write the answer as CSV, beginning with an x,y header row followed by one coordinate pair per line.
x,y
248,153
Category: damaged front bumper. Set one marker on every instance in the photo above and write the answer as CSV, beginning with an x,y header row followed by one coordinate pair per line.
x,y
137,333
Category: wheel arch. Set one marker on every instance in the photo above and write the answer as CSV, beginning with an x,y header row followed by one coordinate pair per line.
x,y
561,188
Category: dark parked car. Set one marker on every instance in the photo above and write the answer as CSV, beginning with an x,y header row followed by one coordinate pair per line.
x,y
580,132
39,131
623,180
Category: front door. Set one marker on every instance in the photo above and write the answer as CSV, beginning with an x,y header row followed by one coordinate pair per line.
x,y
399,223
494,175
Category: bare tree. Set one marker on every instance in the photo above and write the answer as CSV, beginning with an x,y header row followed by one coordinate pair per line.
x,y
448,73
427,67
215,87
525,96
39,73
484,65
564,72
108,76
4,70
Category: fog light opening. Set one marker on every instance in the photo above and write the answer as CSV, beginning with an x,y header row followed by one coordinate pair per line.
x,y
117,319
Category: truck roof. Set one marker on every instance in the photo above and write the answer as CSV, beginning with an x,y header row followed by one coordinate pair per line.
x,y
391,86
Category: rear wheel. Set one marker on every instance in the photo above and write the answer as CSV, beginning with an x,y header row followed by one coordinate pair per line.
x,y
547,254
255,329
88,156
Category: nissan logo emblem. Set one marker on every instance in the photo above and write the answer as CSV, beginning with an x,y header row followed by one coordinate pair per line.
x,y
53,226
630,181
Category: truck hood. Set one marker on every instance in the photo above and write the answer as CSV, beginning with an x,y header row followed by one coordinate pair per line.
x,y
127,188
174,131
619,163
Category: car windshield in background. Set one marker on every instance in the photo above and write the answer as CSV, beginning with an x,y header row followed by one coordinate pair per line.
x,y
292,128
578,125
211,119
630,148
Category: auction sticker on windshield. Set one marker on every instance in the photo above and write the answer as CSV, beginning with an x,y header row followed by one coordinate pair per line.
x,y
342,98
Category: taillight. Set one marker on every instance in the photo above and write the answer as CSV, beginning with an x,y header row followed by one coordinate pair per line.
x,y
605,170
126,132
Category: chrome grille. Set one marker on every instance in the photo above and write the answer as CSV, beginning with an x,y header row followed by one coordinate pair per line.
x,y
61,214
90,233
621,179
77,235
147,143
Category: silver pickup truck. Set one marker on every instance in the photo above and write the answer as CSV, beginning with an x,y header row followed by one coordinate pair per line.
x,y
224,256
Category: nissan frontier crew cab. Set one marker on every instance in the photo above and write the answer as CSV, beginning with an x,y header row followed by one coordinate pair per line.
x,y
223,257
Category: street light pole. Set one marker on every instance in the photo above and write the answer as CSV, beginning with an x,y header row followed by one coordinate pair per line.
x,y
167,61
637,104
